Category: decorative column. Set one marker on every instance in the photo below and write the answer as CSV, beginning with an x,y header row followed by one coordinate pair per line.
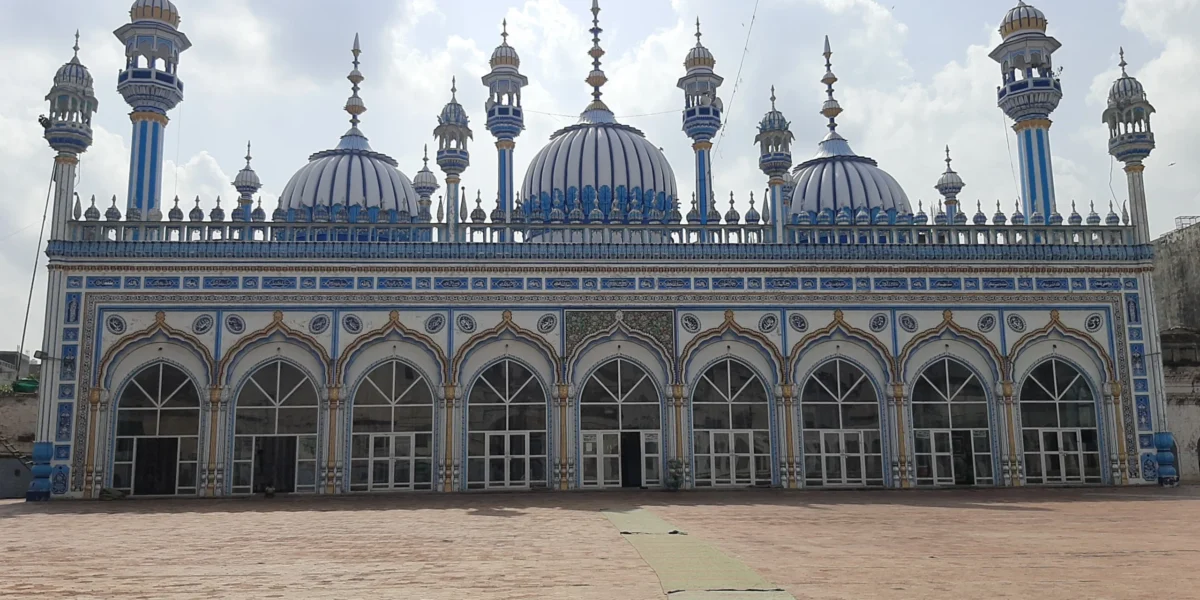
x,y
92,476
453,157
151,86
789,472
701,119
1114,430
901,470
775,158
449,472
676,402
1029,92
333,463
563,458
505,119
212,471
1012,463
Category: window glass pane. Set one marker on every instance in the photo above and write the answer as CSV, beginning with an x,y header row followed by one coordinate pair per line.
x,y
718,375
381,376
972,392
179,422
137,422
183,397
531,394
487,418
1065,376
476,444
524,417
815,392
860,416
1078,392
297,420
1032,392
644,392
821,416
147,381
267,379
358,472
134,397
482,394
751,416
255,420
537,443
924,392
251,396
360,446
1039,414
631,376
418,393
710,416
423,444
413,418
367,395
594,392
930,415
517,376
812,442
701,442
640,416
289,378
705,392
1075,414
122,476
124,451
969,415
606,379
308,447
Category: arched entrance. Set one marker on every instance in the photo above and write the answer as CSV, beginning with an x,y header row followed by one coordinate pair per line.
x,y
951,433
391,445
506,424
620,422
275,431
731,426
839,409
1059,430
157,435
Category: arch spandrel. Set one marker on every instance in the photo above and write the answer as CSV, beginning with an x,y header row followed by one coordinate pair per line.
x,y
392,339
503,340
731,339
256,347
619,342
143,346
948,338
1049,339
841,338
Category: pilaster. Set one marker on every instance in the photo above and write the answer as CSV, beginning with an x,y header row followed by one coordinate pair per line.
x,y
789,472
212,484
1011,463
449,472
901,468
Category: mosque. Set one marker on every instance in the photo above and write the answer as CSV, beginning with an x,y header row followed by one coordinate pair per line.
x,y
599,327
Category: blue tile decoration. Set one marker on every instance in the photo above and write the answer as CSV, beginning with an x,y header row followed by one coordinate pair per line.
x,y
504,283
62,427
1141,385
918,283
533,283
479,283
1133,309
1149,467
450,283
103,283
1105,284
191,283
1078,284
700,283
1135,334
279,283
562,283
70,334
645,283
1146,441
220,283
862,284
591,283
161,283
59,477
337,283
945,283
808,283
1137,355
754,283
66,391
308,283
133,283
1131,283
62,452
366,283
971,283
674,283
999,283
74,282
395,283
728,283
1144,421
71,317
792,283
833,283
66,366
1052,283
250,283
617,283
1025,283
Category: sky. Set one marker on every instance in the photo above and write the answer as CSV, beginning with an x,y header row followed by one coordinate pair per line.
x,y
914,77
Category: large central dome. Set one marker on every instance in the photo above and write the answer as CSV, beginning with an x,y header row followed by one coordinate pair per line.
x,y
599,170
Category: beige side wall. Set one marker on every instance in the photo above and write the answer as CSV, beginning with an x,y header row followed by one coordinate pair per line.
x,y
18,419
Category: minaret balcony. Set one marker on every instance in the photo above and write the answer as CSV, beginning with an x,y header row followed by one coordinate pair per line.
x,y
1131,146
453,160
776,163
701,122
150,88
505,122
1028,85
1029,102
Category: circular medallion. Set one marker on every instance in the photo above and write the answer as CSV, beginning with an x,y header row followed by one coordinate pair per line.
x,y
319,324
435,323
690,322
1094,322
352,324
202,325
908,323
1016,323
466,323
768,323
115,324
798,322
235,324
987,323
547,323
878,322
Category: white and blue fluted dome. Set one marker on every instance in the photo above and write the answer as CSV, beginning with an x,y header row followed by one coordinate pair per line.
x,y
350,175
1022,17
155,10
837,180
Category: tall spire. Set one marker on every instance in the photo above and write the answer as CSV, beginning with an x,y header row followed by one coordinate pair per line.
x,y
504,32
1122,65
831,109
772,97
596,78
76,47
698,34
454,89
247,154
354,105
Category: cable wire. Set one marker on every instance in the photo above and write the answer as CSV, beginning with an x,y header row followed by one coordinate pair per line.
x,y
737,80
33,276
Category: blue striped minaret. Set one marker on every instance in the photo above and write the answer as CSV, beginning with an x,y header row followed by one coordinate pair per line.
x,y
505,118
701,118
453,157
151,86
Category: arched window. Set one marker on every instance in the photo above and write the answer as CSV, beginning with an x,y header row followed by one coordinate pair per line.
x,y
950,426
620,427
392,430
506,422
840,412
275,431
731,426
1058,426
158,429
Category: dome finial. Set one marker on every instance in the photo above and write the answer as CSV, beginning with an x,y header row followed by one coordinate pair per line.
x,y
454,89
354,105
504,32
772,97
596,78
698,34
831,109
426,159
1123,64
248,154
76,47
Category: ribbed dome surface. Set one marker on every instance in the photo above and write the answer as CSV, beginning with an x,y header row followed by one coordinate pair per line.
x,y
596,163
1023,17
350,175
837,179
74,74
1126,90
155,10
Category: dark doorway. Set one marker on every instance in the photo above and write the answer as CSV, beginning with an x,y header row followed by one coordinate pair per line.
x,y
155,466
631,459
275,464
964,458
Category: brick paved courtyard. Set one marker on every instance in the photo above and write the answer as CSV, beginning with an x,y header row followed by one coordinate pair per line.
x,y
986,544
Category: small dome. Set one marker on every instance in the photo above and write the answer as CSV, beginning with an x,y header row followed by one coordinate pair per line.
x,y
246,178
505,56
92,213
163,11
425,182
699,57
454,113
217,214
74,74
113,213
176,213
350,175
1022,18
279,214
980,218
196,214
837,178
1112,218
1125,90
999,218
1075,218
732,215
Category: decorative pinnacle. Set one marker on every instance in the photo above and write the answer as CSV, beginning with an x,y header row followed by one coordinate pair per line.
x,y
698,34
426,159
454,89
504,32
354,105
247,154
772,97
76,48
831,109
596,78
1122,65
948,159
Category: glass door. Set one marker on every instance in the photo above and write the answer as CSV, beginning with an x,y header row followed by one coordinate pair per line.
x,y
652,457
602,459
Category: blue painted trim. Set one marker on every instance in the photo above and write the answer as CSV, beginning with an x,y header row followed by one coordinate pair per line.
x,y
1030,176
142,128
1044,166
152,201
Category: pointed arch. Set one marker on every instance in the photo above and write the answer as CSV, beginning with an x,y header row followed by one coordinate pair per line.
x,y
1057,327
613,333
393,329
505,327
158,331
276,329
729,329
949,327
839,326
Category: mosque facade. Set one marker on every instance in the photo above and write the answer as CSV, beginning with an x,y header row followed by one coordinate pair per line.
x,y
600,325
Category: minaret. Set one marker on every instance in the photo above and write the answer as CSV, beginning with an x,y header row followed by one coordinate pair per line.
x,y
1131,140
68,129
247,184
775,158
949,185
505,119
701,116
151,86
425,183
452,133
1030,91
